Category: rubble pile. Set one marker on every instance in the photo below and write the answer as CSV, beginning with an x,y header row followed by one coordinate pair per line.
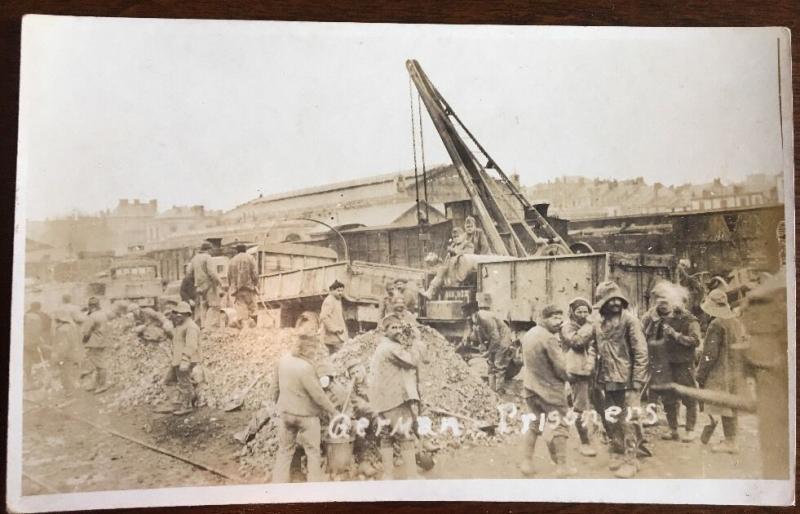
x,y
231,361
445,382
139,367
445,379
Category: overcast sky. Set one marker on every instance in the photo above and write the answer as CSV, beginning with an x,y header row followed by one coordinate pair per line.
x,y
214,113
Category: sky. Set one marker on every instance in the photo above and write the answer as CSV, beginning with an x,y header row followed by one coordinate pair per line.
x,y
218,112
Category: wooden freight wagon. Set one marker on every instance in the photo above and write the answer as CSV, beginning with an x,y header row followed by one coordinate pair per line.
x,y
298,294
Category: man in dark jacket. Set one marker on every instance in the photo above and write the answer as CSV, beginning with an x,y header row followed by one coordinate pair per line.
x,y
544,380
301,401
623,372
673,334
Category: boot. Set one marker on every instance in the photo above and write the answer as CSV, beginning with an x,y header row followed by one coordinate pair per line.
x,y
688,436
672,435
726,446
500,383
614,461
562,469
387,459
102,382
627,470
551,448
409,455
526,466
586,448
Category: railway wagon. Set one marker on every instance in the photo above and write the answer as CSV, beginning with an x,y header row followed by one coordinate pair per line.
x,y
520,288
298,294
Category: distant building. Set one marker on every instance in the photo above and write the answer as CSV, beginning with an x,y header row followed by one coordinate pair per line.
x,y
581,198
179,220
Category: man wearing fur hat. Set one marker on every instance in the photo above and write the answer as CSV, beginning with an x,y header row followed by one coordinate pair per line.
x,y
581,355
394,396
673,334
623,372
544,380
300,401
332,328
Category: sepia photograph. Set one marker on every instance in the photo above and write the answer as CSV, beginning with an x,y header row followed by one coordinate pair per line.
x,y
260,262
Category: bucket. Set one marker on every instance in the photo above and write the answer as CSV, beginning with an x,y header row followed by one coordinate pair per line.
x,y
340,454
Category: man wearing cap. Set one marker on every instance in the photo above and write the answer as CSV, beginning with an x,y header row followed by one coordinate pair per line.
x,y
185,356
332,328
95,341
394,395
494,334
243,284
544,380
300,401
672,335
409,295
623,372
67,352
476,236
580,346
207,284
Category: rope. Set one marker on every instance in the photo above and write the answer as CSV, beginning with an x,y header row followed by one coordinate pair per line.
x,y
424,169
414,142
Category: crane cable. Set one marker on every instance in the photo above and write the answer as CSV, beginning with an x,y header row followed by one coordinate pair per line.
x,y
424,169
414,144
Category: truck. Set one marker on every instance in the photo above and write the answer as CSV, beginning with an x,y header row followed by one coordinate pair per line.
x,y
296,296
134,280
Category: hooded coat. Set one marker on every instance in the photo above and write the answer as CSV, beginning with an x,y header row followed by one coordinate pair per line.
x,y
621,346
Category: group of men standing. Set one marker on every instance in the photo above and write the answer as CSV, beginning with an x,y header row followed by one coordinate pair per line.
x,y
74,339
612,359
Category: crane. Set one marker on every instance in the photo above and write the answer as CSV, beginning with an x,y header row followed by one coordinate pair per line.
x,y
511,237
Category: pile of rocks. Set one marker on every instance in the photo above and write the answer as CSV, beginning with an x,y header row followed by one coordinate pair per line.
x,y
445,381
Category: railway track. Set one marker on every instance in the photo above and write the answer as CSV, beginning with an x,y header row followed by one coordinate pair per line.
x,y
43,484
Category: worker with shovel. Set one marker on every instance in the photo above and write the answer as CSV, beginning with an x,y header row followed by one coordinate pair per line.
x,y
394,396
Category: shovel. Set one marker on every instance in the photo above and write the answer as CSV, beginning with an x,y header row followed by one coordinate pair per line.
x,y
236,402
482,426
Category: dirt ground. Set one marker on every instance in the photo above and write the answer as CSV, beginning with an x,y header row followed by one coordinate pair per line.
x,y
62,454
